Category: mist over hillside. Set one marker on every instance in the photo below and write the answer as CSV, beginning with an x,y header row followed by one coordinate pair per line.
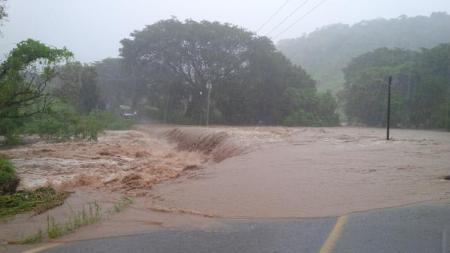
x,y
326,51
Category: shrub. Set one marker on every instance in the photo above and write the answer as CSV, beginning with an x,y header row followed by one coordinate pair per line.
x,y
63,122
320,111
8,179
111,121
9,128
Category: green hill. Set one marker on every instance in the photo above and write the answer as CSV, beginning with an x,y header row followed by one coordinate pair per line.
x,y
326,51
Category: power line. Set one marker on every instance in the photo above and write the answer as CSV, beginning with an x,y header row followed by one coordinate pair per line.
x,y
300,19
273,15
286,18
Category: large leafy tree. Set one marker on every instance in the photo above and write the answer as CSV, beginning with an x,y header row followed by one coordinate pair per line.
x,y
174,65
24,76
187,55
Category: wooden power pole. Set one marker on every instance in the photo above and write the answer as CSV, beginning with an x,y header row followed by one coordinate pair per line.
x,y
388,121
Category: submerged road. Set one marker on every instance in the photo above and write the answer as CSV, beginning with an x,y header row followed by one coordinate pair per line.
x,y
418,228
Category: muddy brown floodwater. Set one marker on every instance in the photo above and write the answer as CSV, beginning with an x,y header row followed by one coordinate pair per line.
x,y
313,172
129,162
190,175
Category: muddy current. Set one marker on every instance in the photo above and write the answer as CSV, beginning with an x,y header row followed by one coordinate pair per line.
x,y
184,175
317,172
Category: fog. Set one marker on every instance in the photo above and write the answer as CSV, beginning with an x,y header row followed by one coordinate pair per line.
x,y
225,120
93,29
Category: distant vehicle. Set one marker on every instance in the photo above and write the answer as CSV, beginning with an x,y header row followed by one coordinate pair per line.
x,y
126,111
129,114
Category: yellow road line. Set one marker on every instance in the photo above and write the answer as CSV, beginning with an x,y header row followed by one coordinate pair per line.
x,y
334,235
42,248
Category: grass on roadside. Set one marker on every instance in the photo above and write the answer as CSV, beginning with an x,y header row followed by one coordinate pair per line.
x,y
37,201
78,219
31,239
89,214
121,204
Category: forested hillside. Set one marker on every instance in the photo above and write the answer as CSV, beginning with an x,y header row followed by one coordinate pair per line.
x,y
325,52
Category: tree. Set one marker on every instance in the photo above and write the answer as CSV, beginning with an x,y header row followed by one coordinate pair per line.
x,y
188,55
3,13
365,89
172,64
24,76
113,82
420,90
77,84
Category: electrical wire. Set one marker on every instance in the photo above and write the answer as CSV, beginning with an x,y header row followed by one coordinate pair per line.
x,y
300,19
288,16
273,15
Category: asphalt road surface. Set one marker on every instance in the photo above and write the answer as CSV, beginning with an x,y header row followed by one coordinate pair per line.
x,y
418,228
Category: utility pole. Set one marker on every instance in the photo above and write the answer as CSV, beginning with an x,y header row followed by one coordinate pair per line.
x,y
388,108
448,97
208,101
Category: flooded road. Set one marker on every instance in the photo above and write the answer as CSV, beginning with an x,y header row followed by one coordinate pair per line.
x,y
319,172
189,176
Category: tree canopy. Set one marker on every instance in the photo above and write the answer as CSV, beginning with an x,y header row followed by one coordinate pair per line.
x,y
76,84
326,51
3,13
420,89
173,65
113,83
24,76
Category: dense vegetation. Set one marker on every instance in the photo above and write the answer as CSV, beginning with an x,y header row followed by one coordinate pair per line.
x,y
420,89
38,95
37,201
24,77
325,52
170,69
8,178
12,202
76,84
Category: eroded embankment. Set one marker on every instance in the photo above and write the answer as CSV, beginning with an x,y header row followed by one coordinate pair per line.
x,y
211,143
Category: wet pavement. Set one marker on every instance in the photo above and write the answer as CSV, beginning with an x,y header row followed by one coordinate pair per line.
x,y
418,228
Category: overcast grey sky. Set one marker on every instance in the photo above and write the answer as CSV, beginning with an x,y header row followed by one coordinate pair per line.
x,y
92,29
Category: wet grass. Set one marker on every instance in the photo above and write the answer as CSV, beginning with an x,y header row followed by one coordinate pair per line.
x,y
89,214
84,217
121,204
37,201
31,239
